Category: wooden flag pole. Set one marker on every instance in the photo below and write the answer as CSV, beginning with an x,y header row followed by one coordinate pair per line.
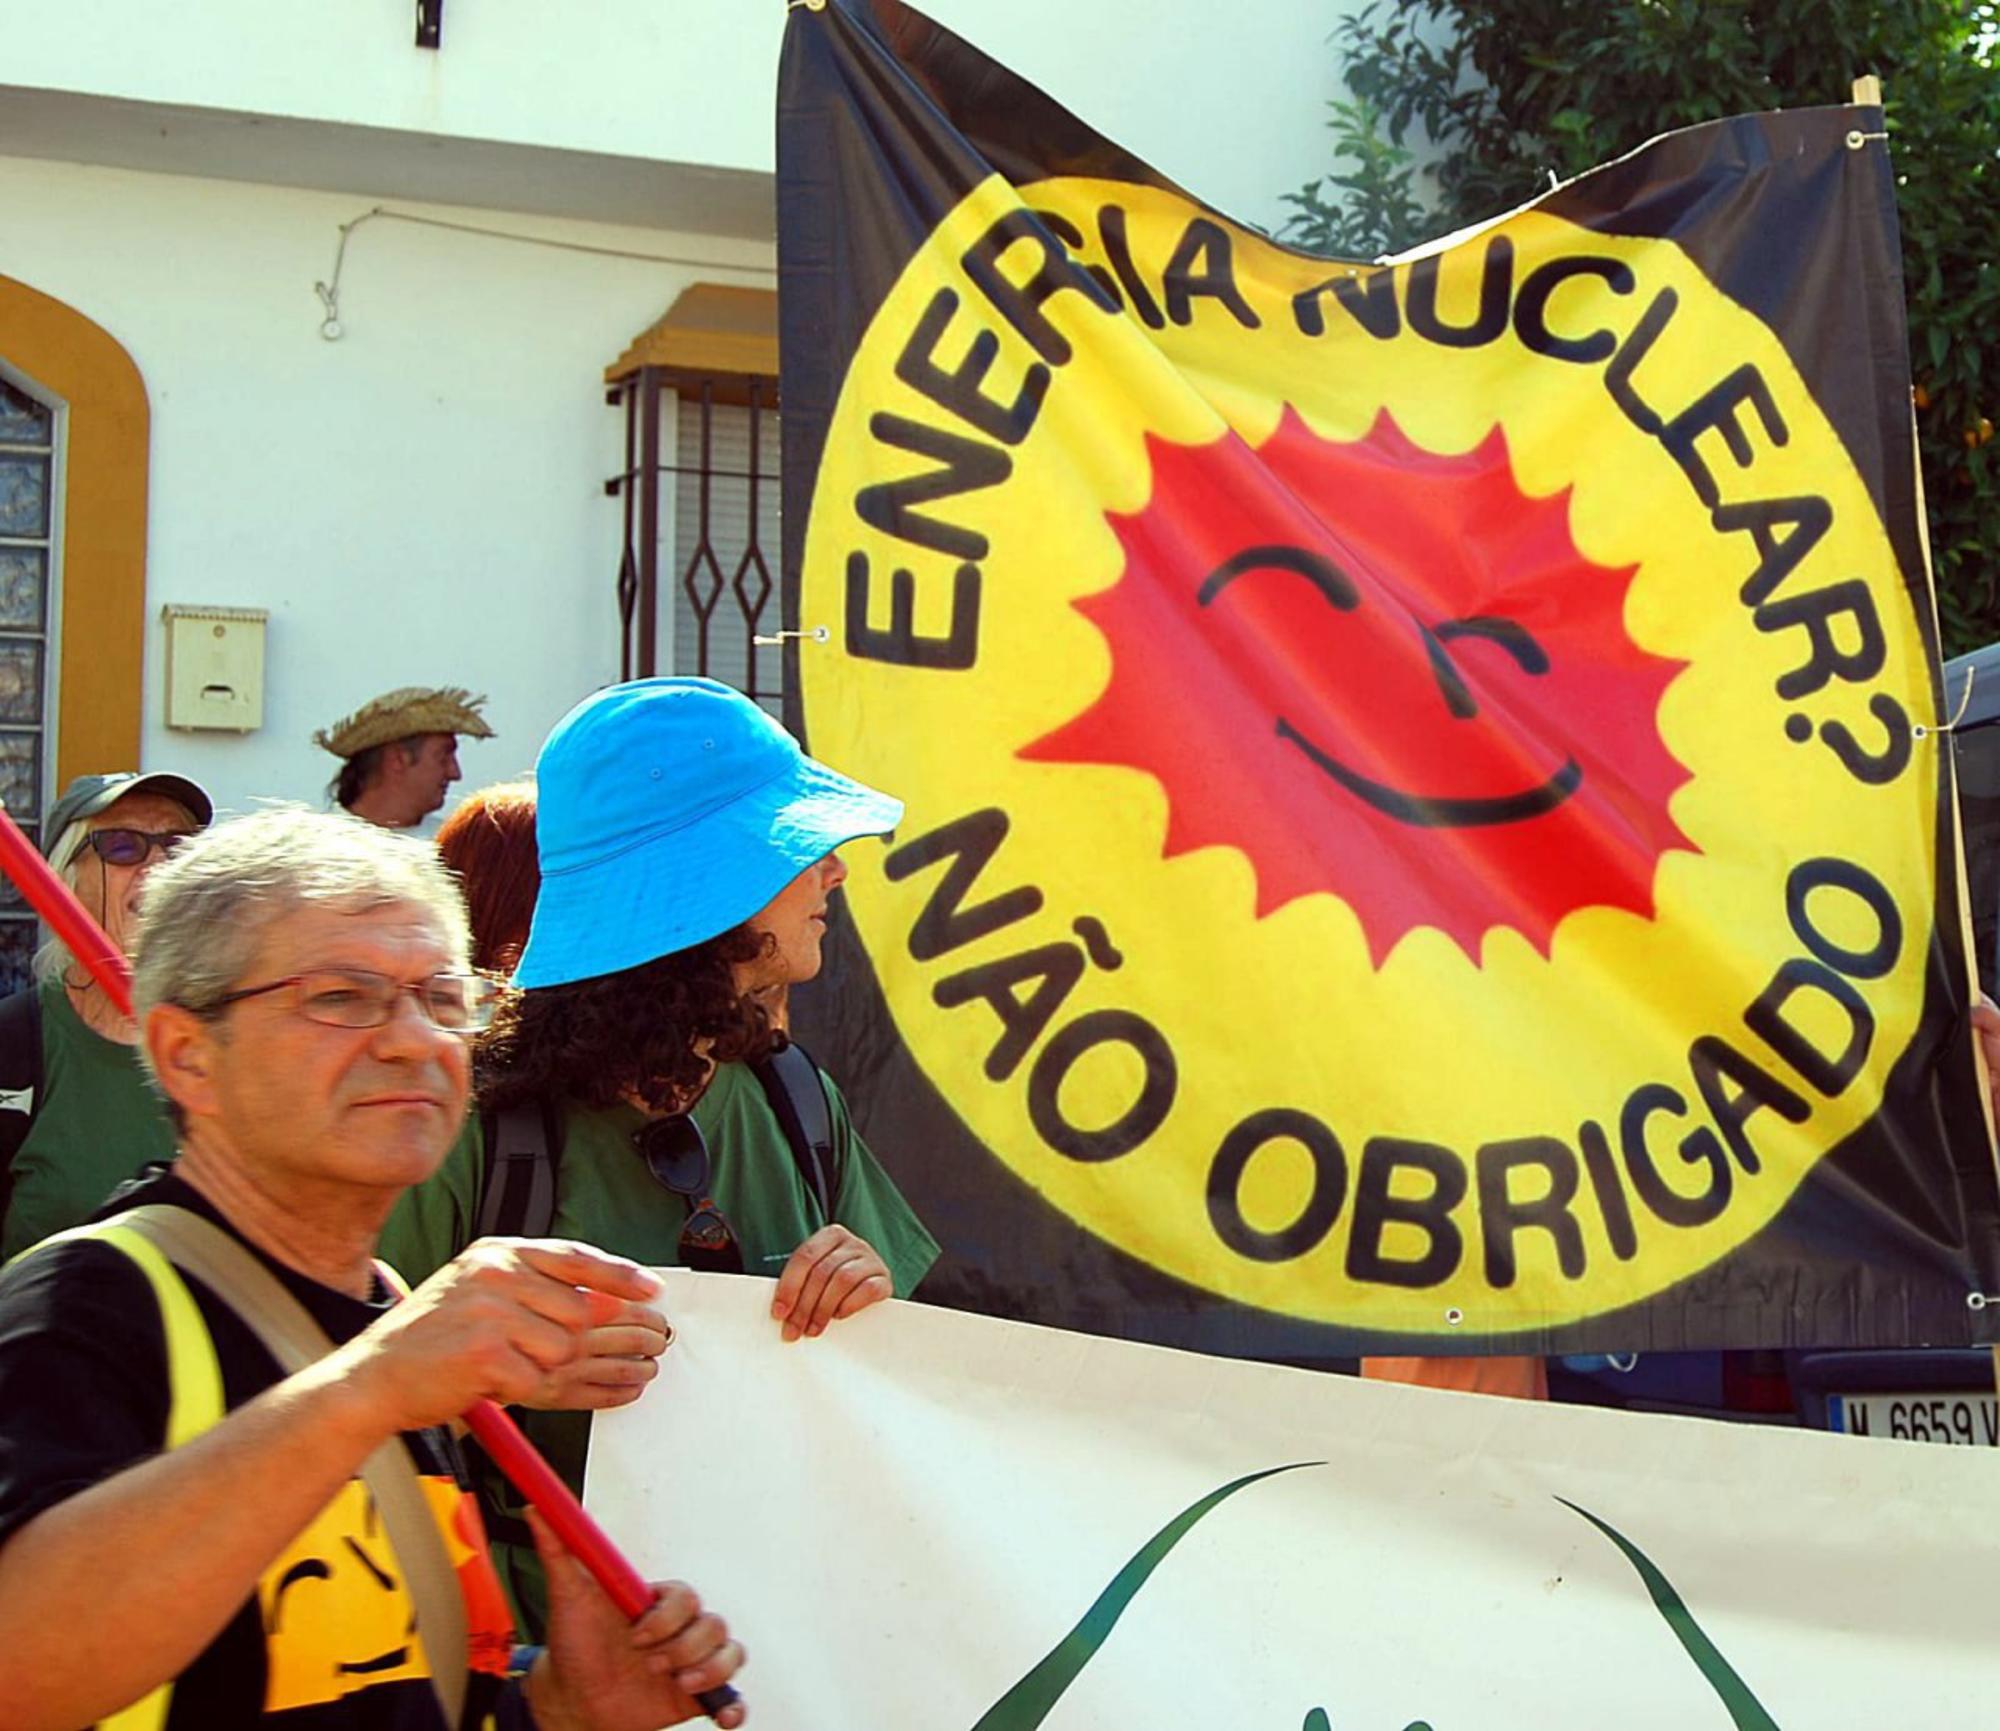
x,y
1868,91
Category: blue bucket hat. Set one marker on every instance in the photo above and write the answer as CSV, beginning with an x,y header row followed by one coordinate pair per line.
x,y
668,811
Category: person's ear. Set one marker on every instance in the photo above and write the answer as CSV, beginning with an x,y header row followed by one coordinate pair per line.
x,y
182,1048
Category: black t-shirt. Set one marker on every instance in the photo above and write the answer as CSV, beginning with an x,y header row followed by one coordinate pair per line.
x,y
325,1643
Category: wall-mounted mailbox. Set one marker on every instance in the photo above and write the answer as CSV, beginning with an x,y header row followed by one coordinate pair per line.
x,y
215,667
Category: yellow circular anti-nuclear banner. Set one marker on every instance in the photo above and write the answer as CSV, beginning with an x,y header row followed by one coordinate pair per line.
x,y
1416,812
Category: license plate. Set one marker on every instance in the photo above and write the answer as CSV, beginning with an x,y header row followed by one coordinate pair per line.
x,y
1940,1418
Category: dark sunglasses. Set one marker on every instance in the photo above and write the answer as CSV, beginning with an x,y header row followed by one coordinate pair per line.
x,y
129,847
676,1154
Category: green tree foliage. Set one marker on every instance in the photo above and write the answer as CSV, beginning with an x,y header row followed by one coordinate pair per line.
x,y
1508,92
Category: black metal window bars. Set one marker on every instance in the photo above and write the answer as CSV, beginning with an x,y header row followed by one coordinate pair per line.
x,y
725,479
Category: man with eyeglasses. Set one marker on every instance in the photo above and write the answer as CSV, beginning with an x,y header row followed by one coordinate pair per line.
x,y
189,1536
77,1117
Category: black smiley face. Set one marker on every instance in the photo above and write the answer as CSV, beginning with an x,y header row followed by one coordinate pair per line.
x,y
317,1569
1426,811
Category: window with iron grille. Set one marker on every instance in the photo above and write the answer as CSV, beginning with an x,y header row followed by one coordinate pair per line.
x,y
702,540
30,496
726,545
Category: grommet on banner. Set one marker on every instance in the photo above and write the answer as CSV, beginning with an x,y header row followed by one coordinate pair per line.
x,y
1857,138
1957,715
818,634
1980,1300
1453,1317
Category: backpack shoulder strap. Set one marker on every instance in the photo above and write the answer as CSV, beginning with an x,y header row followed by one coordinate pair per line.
x,y
295,1340
791,1082
517,1195
20,1076
21,1039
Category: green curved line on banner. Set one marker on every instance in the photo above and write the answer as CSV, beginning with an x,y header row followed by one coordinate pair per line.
x,y
1317,1720
1030,1701
1745,1710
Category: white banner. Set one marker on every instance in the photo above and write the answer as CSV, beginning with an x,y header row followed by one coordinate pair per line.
x,y
928,1521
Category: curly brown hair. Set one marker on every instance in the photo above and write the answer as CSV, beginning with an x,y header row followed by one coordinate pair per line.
x,y
655,1031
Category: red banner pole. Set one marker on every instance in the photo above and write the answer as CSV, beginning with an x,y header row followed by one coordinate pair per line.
x,y
56,904
582,1537
63,914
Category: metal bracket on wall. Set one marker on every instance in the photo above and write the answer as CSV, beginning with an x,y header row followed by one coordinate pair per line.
x,y
430,23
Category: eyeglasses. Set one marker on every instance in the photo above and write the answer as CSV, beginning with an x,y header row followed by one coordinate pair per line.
x,y
356,998
676,1154
130,847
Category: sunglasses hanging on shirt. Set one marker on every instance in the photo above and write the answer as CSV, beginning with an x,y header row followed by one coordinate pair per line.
x,y
676,1154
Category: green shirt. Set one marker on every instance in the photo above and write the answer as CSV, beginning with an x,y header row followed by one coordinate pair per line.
x,y
97,1121
606,1197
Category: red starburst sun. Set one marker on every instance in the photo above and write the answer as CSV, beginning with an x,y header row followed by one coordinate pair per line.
x,y
1387,674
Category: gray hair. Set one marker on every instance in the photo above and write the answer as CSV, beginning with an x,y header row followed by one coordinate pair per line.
x,y
204,910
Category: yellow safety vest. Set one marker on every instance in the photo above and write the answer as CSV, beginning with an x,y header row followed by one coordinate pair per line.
x,y
194,1394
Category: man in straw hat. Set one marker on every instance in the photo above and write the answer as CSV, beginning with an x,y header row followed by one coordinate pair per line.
x,y
401,752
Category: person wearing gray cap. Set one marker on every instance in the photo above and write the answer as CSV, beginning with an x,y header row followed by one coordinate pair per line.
x,y
77,1116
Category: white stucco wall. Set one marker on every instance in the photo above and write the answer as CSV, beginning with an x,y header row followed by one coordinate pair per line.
x,y
422,502
419,503
1228,98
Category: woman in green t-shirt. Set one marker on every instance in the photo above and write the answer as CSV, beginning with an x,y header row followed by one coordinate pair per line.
x,y
686,850
77,1115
